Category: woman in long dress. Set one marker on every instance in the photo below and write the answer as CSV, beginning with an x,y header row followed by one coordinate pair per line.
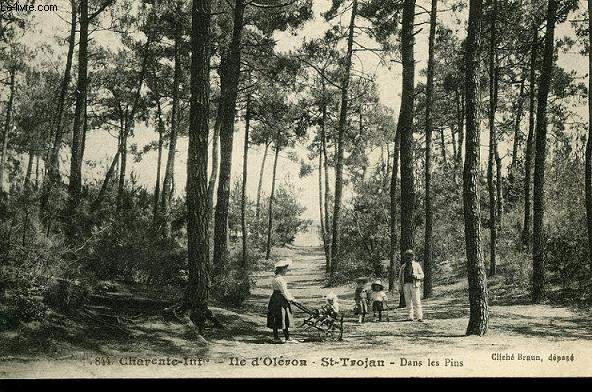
x,y
279,312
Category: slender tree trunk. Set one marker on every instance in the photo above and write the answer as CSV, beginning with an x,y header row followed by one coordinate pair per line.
x,y
327,195
429,214
491,182
84,125
516,141
53,171
387,174
197,293
461,129
453,139
588,175
110,172
130,114
478,302
259,187
270,211
29,171
321,210
245,259
37,156
169,172
498,185
538,267
327,198
529,153
215,162
324,204
335,237
155,210
27,189
443,147
230,73
393,216
407,238
122,162
75,184
7,124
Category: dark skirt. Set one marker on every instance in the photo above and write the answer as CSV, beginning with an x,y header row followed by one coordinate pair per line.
x,y
361,307
279,312
377,306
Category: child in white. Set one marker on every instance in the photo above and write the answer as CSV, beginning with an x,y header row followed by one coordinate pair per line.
x,y
330,310
378,297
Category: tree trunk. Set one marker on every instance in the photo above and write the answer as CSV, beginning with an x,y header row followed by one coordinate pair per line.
x,y
215,161
270,211
429,214
29,171
407,238
245,259
259,187
230,73
588,175
498,186
387,174
443,148
460,107
321,211
197,293
7,123
519,110
27,190
323,157
393,216
110,172
84,125
478,302
37,156
538,246
529,153
491,182
335,236
122,161
53,171
169,172
453,139
155,210
75,183
130,114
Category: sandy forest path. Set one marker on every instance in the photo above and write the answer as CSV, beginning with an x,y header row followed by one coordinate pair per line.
x,y
436,347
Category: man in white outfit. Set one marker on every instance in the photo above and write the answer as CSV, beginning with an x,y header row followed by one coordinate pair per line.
x,y
410,278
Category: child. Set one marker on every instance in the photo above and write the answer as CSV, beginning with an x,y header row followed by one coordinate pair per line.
x,y
361,298
379,298
330,310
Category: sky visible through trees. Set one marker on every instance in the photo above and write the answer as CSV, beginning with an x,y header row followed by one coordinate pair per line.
x,y
100,145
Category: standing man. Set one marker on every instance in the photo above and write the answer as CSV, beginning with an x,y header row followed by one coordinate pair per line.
x,y
410,278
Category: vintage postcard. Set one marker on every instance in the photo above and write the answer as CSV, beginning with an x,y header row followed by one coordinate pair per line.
x,y
295,188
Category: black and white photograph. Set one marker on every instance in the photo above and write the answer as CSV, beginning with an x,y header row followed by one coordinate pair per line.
x,y
235,189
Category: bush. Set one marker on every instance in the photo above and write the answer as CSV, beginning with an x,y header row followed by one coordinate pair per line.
x,y
232,288
567,260
128,246
65,295
20,305
351,267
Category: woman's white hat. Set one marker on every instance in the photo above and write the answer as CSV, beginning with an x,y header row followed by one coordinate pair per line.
x,y
331,296
283,263
377,282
